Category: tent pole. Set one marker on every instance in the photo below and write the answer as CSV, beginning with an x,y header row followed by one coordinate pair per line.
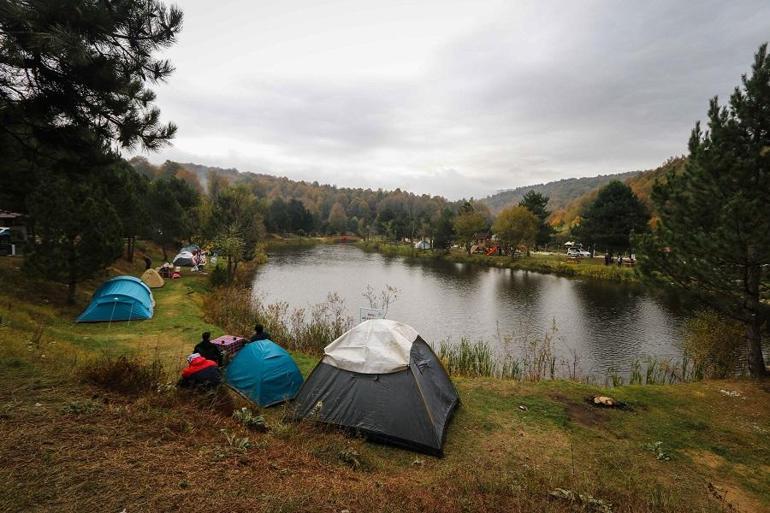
x,y
114,304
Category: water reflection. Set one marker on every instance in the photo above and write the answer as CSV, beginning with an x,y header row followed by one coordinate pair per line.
x,y
607,324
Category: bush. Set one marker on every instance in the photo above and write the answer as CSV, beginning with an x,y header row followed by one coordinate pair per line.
x,y
124,374
715,345
218,277
250,420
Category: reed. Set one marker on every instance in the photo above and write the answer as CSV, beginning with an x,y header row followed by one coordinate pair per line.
x,y
306,330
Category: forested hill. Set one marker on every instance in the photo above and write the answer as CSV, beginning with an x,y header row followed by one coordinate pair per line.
x,y
640,182
561,193
408,214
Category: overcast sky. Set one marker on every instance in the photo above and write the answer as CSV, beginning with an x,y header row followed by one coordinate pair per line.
x,y
453,98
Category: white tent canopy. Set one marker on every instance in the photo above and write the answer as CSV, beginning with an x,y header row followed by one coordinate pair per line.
x,y
377,346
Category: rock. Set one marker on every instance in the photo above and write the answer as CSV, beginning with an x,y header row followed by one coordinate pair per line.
x,y
603,400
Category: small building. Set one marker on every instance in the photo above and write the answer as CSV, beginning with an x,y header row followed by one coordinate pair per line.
x,y
16,222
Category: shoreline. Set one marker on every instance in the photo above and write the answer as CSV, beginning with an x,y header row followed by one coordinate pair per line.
x,y
545,264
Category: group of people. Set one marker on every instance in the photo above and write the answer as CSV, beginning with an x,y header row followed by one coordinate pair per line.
x,y
206,360
199,260
620,260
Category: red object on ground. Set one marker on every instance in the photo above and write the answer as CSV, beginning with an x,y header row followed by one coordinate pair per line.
x,y
229,344
198,364
491,251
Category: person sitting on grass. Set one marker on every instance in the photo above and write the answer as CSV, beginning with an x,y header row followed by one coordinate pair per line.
x,y
208,350
259,334
200,373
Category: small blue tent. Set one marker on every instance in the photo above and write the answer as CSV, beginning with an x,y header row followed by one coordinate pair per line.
x,y
123,298
265,373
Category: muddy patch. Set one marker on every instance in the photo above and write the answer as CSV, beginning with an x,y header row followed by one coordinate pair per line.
x,y
581,412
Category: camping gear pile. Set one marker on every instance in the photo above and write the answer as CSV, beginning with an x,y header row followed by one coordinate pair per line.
x,y
229,344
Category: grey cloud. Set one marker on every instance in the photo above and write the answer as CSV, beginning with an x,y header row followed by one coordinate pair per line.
x,y
545,90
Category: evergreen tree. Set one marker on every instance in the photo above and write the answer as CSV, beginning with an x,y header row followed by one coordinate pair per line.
x,y
443,230
80,66
300,218
612,218
536,203
127,192
278,216
73,77
78,232
713,238
172,203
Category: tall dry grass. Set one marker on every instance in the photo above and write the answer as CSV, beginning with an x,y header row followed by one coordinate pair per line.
x,y
307,330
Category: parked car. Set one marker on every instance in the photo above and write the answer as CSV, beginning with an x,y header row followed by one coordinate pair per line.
x,y
578,253
5,241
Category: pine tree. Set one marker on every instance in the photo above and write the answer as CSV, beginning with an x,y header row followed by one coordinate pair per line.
x,y
80,66
612,218
713,238
78,233
536,203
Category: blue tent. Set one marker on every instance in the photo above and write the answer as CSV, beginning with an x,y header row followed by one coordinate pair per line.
x,y
123,298
265,373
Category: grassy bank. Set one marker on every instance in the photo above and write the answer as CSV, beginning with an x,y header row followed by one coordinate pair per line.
x,y
542,263
68,445
296,241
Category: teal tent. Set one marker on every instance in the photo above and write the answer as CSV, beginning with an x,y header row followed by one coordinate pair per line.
x,y
123,298
265,373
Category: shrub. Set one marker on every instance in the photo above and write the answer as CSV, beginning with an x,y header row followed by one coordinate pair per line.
x,y
86,407
714,344
218,276
124,374
249,420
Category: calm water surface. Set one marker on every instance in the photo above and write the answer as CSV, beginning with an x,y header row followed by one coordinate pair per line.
x,y
607,324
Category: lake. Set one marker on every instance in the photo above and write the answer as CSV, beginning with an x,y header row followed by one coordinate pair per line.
x,y
607,324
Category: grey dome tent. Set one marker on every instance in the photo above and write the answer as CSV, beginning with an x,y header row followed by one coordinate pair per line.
x,y
382,380
184,259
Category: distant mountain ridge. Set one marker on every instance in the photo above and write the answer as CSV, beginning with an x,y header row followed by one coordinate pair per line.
x,y
561,192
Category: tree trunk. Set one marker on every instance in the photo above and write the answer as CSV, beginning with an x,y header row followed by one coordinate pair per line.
x,y
757,367
131,242
71,286
72,282
165,255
